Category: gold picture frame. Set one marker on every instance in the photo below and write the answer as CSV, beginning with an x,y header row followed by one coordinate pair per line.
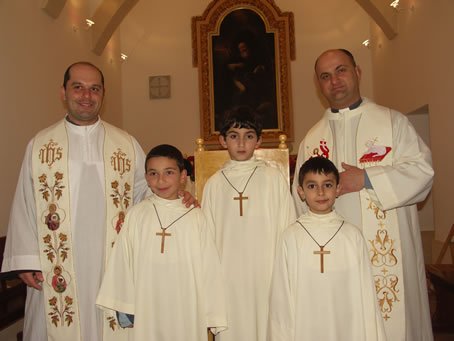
x,y
243,50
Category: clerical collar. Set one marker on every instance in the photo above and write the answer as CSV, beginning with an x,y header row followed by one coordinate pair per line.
x,y
351,107
67,119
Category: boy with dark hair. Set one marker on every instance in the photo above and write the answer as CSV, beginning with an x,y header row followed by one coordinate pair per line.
x,y
322,282
164,268
249,205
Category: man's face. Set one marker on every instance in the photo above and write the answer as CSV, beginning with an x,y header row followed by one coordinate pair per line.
x,y
338,79
84,94
241,143
244,51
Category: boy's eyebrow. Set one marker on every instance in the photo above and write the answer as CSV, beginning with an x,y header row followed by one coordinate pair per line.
x,y
236,132
154,169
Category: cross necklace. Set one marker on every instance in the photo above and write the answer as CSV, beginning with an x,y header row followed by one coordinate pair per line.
x,y
240,194
163,233
321,252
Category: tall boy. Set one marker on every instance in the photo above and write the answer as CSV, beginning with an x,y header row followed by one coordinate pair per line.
x,y
164,268
249,205
322,282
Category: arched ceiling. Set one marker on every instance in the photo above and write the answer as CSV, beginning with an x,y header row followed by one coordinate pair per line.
x,y
110,13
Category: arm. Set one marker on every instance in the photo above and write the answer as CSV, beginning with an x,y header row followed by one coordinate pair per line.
x,y
281,321
409,179
287,213
215,303
117,291
22,248
300,206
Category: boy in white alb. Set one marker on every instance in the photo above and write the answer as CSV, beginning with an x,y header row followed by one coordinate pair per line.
x,y
322,285
249,205
164,268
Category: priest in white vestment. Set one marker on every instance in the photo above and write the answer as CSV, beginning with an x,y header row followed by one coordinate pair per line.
x,y
387,170
246,231
85,133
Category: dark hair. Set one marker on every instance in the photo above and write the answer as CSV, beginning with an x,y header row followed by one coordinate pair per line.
x,y
318,165
166,150
347,52
241,117
67,75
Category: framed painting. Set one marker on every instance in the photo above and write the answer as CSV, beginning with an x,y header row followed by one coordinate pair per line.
x,y
243,51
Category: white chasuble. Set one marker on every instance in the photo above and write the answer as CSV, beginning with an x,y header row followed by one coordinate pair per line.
x,y
51,184
172,283
399,167
340,303
247,242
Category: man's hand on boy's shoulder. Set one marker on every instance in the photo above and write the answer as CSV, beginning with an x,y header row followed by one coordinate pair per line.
x,y
188,199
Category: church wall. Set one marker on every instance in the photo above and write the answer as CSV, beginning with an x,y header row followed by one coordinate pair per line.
x,y
164,48
416,69
35,51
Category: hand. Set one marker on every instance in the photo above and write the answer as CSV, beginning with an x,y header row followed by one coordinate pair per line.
x,y
32,279
351,180
188,199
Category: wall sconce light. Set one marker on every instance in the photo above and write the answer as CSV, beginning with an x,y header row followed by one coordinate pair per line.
x,y
89,23
394,4
123,56
366,43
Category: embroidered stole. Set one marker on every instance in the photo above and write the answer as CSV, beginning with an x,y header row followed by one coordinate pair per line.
x,y
374,146
52,194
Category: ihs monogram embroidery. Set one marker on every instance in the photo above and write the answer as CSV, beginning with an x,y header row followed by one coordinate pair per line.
x,y
49,153
120,162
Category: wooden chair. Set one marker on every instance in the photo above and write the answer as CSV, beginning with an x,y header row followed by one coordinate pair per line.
x,y
441,288
447,244
207,162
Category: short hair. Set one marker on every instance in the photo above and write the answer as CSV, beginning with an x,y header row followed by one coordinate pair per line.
x,y
242,116
317,165
347,52
67,75
168,151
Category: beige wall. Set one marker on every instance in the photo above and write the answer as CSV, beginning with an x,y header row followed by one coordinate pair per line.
x,y
35,51
164,48
415,69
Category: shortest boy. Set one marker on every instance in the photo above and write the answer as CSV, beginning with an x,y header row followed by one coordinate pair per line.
x,y
322,285
164,268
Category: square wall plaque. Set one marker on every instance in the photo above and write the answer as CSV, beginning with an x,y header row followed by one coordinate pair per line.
x,y
159,87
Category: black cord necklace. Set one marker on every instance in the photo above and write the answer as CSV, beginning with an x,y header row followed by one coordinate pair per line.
x,y
163,233
240,194
321,252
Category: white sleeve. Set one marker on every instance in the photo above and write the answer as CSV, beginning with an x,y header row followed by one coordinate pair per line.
x,y
300,206
409,179
281,321
22,248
